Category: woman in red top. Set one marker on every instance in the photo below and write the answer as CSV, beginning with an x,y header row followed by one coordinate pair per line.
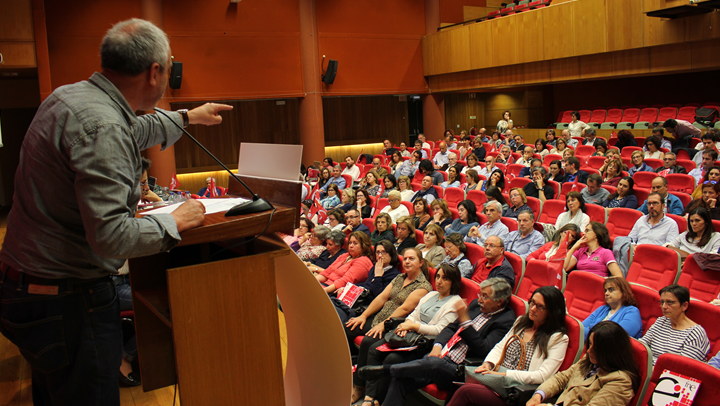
x,y
352,267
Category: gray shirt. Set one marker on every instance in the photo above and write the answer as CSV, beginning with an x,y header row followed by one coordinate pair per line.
x,y
523,247
78,185
597,198
498,229
662,233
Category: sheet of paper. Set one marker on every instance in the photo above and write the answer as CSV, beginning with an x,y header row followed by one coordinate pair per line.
x,y
211,206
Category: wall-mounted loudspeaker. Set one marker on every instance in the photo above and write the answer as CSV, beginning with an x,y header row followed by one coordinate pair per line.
x,y
329,76
176,75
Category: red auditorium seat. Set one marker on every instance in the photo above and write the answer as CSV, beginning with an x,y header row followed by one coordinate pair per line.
x,y
455,213
444,174
584,293
537,273
556,187
535,206
706,315
551,157
518,305
576,342
478,197
627,151
348,180
584,150
513,169
596,162
643,359
708,393
688,164
493,14
566,115
647,299
382,202
654,266
641,194
687,114
703,285
596,213
685,198
369,224
680,220
614,116
511,223
612,141
439,190
518,265
568,187
552,208
585,115
653,163
475,253
666,113
621,221
598,116
518,182
611,189
453,196
630,116
716,225
648,115
419,237
680,182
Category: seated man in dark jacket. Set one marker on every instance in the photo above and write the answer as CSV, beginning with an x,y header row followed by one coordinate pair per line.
x,y
478,328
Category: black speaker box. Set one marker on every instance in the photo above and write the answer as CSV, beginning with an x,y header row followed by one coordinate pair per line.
x,y
176,75
329,76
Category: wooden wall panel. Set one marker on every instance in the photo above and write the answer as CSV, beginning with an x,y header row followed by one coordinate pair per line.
x,y
670,58
338,153
538,72
631,62
353,120
481,46
558,31
530,42
624,24
16,22
705,54
595,66
460,50
565,69
703,27
18,54
661,31
505,45
652,5
251,121
459,107
590,27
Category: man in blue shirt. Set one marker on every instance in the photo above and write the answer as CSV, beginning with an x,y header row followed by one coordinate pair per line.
x,y
526,239
673,204
493,227
336,179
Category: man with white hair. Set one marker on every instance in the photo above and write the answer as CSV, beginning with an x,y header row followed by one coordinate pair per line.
x,y
569,140
73,224
489,166
421,137
493,227
396,209
441,158
452,161
206,190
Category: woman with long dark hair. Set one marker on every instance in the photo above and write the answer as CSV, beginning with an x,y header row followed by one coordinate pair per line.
x,y
505,122
496,178
699,237
625,139
606,372
542,333
708,201
493,193
652,144
624,196
467,218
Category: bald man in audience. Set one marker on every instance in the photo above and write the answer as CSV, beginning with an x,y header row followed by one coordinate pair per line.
x,y
672,203
569,140
427,191
377,165
489,166
482,135
396,209
441,158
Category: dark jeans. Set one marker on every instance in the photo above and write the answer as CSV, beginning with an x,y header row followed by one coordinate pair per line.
x,y
413,375
124,293
379,388
72,340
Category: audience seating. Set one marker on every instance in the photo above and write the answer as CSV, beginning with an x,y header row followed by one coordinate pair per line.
x,y
653,163
576,342
518,305
551,210
685,198
597,117
584,293
475,253
419,237
648,115
551,157
680,220
518,265
596,162
596,213
518,182
585,151
369,224
453,196
348,180
641,194
381,203
511,223
537,273
686,113
680,182
613,117
654,266
556,187
644,180
535,205
568,187
455,213
648,306
513,169
666,113
611,189
716,224
621,220
643,359
630,117
707,315
627,151
709,391
478,197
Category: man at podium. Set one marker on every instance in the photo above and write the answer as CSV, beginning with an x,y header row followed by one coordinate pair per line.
x,y
73,224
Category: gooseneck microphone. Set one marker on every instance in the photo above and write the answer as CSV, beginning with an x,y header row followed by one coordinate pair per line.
x,y
256,205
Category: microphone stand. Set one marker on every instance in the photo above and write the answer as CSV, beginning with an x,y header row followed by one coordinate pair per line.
x,y
256,205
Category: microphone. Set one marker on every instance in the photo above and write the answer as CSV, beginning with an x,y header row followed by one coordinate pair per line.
x,y
256,205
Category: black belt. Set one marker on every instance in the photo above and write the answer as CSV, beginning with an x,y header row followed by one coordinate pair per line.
x,y
7,272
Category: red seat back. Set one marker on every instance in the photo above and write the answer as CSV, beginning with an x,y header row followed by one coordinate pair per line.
x,y
513,169
478,197
621,221
614,116
685,198
518,265
510,223
703,285
576,342
475,253
454,195
707,315
643,359
654,266
641,194
653,163
369,224
534,204
537,273
552,210
631,115
584,150
680,220
382,202
687,114
627,151
680,182
688,164
598,116
566,116
648,306
585,115
348,180
584,293
666,113
649,114
643,180
518,182
469,290
596,212
708,393
596,162
517,305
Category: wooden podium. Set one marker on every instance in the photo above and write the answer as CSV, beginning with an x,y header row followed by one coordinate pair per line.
x,y
206,312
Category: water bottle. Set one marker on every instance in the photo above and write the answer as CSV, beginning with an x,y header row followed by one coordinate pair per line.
x,y
188,195
172,198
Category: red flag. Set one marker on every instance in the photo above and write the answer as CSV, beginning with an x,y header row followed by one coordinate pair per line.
x,y
174,182
213,189
359,155
321,212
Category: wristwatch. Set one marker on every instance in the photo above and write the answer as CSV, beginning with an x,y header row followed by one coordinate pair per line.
x,y
185,118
